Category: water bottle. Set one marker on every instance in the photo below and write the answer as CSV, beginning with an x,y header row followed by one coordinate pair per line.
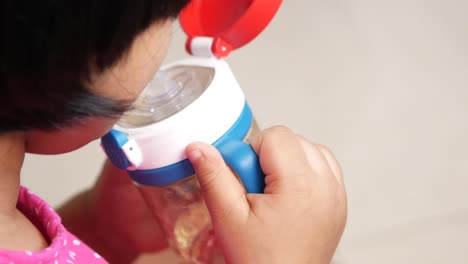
x,y
196,99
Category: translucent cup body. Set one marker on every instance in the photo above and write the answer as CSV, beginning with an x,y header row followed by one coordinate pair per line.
x,y
181,212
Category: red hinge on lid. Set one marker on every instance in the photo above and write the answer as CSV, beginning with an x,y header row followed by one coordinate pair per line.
x,y
207,47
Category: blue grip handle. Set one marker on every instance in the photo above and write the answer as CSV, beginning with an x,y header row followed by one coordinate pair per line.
x,y
244,161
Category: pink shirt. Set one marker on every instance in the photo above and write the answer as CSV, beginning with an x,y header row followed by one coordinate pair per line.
x,y
64,248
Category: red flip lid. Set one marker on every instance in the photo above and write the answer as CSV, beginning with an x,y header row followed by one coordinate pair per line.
x,y
231,23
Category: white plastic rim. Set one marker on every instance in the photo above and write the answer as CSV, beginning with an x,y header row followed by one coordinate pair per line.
x,y
206,119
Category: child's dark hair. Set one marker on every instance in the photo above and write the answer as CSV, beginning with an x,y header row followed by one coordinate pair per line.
x,y
48,48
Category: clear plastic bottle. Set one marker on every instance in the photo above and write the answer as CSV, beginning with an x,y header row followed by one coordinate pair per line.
x,y
197,99
182,213
178,206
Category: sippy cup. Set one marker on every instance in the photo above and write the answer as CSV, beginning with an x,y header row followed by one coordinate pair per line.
x,y
196,99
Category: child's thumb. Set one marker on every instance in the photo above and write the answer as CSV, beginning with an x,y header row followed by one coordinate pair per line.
x,y
223,193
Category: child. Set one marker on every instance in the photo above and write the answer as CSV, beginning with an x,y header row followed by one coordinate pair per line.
x,y
68,69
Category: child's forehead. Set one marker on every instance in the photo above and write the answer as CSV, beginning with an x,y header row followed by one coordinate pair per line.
x,y
127,78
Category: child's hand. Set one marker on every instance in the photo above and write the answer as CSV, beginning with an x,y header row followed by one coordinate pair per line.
x,y
113,218
299,219
122,217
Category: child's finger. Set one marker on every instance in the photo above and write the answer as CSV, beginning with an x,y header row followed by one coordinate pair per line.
x,y
321,159
283,160
332,162
223,193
